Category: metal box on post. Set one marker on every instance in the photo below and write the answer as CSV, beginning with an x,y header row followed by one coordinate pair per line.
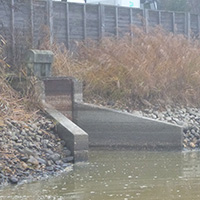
x,y
39,62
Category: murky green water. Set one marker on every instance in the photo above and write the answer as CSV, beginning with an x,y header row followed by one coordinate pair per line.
x,y
120,175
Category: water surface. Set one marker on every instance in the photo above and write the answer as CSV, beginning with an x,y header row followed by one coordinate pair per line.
x,y
120,175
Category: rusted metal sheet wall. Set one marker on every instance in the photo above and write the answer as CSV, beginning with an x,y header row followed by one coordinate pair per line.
x,y
59,93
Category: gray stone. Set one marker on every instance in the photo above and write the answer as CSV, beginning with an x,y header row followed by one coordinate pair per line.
x,y
68,159
33,161
178,122
63,143
38,138
49,168
14,138
168,118
66,165
44,142
193,131
13,180
198,142
49,162
41,161
66,152
160,116
55,157
39,132
136,112
154,116
59,162
19,141
34,126
28,151
18,146
48,151
24,158
50,145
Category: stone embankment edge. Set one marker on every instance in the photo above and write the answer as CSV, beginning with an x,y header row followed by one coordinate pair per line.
x,y
76,139
111,128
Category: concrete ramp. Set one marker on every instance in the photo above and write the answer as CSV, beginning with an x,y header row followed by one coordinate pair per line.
x,y
111,128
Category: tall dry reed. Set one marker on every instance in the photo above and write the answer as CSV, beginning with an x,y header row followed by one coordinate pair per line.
x,y
149,69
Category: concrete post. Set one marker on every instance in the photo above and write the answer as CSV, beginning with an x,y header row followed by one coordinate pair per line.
x,y
39,62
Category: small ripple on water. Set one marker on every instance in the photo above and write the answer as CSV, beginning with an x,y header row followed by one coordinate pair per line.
x,y
121,176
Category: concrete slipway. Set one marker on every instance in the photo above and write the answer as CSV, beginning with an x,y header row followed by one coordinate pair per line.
x,y
102,127
111,128
94,125
97,126
62,99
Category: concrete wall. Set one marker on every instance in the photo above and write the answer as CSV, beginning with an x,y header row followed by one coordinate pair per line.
x,y
110,128
58,95
30,21
76,139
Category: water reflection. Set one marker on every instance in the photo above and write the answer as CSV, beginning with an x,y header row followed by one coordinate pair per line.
x,y
120,175
191,164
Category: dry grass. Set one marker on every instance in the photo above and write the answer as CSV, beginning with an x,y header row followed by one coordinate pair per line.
x,y
155,69
12,104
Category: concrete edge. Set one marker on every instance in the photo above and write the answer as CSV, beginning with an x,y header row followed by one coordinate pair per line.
x,y
124,113
76,139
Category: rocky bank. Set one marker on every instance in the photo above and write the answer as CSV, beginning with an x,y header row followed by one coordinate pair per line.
x,y
31,151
